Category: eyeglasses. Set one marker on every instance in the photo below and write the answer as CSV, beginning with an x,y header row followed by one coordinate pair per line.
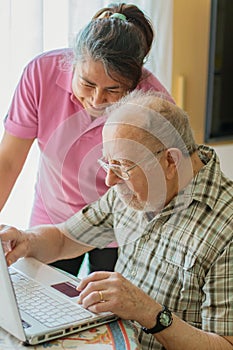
x,y
119,171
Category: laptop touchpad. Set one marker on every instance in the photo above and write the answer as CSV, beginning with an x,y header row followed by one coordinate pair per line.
x,y
66,288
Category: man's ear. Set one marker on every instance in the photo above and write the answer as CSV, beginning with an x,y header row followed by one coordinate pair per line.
x,y
173,159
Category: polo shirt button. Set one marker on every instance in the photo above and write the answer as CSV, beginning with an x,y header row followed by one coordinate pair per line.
x,y
147,237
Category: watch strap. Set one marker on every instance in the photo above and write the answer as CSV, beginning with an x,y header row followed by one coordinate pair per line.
x,y
164,320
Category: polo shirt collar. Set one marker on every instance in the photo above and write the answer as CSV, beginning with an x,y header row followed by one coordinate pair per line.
x,y
64,80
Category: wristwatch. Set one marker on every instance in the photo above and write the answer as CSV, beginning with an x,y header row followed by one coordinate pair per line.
x,y
164,320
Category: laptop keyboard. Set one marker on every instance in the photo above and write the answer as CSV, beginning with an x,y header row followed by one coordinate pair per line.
x,y
32,298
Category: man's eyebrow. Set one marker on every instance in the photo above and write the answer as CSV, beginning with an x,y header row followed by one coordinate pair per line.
x,y
94,84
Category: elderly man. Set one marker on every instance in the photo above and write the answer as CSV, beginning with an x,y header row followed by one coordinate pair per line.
x,y
172,213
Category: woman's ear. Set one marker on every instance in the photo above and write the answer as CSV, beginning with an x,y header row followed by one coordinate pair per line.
x,y
173,159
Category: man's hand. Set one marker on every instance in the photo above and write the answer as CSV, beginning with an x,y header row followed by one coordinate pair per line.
x,y
46,243
110,291
15,243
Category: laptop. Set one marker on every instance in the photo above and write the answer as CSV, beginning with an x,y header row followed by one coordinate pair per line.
x,y
23,316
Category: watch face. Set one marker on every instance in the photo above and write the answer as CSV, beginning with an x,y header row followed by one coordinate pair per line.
x,y
165,319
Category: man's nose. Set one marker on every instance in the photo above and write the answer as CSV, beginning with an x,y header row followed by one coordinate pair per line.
x,y
112,179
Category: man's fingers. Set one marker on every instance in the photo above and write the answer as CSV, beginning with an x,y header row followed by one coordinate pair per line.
x,y
13,255
9,233
13,244
4,228
6,246
93,277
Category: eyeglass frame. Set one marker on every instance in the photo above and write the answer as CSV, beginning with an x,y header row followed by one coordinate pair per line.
x,y
111,167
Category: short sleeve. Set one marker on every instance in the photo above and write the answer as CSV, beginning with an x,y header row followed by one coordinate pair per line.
x,y
22,119
93,224
217,307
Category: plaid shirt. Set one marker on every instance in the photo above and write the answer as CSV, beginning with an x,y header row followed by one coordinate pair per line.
x,y
181,257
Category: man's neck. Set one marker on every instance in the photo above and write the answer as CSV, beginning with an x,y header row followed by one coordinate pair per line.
x,y
187,170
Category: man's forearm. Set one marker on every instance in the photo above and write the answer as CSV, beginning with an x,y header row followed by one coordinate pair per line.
x,y
180,335
44,243
48,243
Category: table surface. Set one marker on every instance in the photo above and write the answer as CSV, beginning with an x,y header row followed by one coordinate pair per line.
x,y
117,335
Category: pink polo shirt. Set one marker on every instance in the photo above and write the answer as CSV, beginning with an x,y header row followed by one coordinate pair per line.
x,y
45,108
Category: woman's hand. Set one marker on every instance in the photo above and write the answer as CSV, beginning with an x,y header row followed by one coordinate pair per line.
x,y
110,291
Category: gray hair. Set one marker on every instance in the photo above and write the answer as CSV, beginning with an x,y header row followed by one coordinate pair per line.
x,y
160,120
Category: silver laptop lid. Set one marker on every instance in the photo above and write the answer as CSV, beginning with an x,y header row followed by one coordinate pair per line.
x,y
10,319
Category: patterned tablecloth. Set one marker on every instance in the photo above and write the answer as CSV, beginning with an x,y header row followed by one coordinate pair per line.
x,y
117,335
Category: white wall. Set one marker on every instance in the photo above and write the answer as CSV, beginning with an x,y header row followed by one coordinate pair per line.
x,y
27,28
225,153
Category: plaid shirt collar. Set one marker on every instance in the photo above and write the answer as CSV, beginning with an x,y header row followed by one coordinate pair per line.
x,y
199,188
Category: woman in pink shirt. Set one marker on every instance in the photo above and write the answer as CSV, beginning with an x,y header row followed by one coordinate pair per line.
x,y
60,101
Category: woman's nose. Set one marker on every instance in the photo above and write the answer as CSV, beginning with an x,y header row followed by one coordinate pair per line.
x,y
112,179
98,97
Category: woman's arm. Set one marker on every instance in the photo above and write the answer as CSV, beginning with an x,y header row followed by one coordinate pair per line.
x,y
13,153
